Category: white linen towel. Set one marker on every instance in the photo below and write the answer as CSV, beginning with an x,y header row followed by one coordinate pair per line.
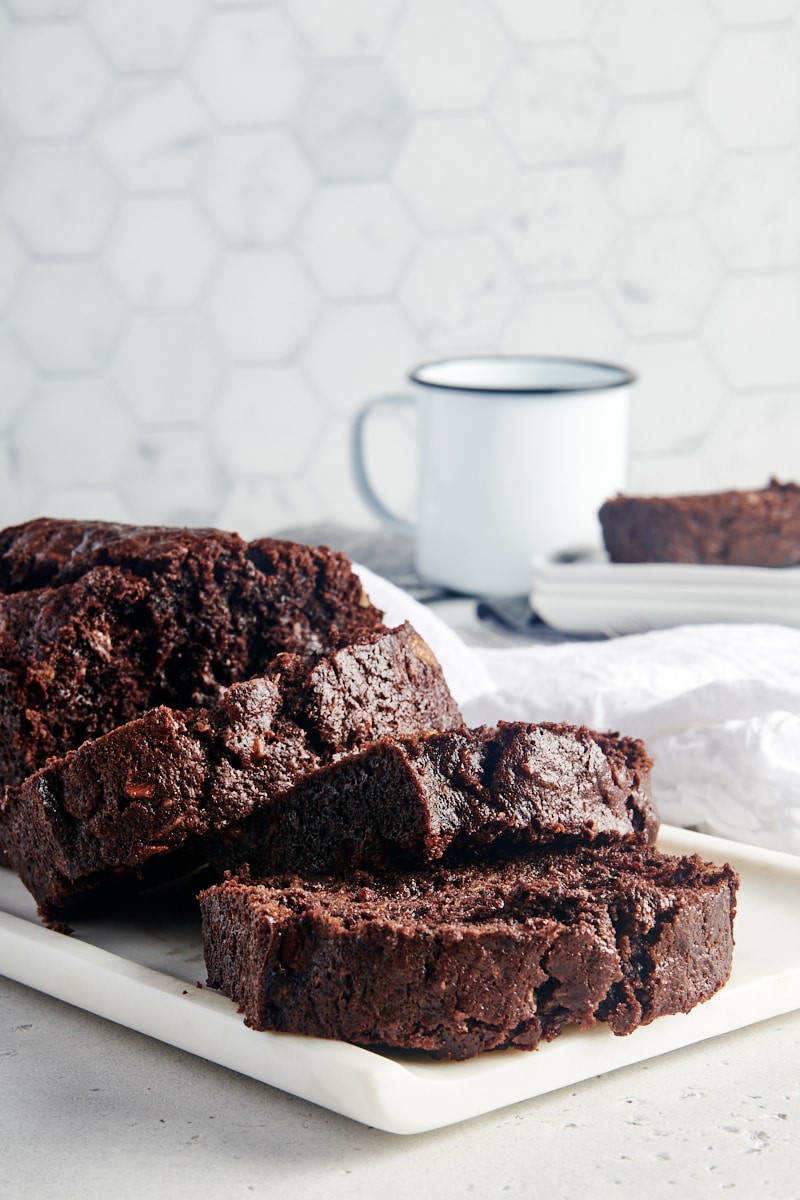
x,y
718,707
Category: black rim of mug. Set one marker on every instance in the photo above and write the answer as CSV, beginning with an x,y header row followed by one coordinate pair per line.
x,y
621,376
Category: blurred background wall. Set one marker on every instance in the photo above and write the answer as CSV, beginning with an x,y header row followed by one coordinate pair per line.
x,y
223,226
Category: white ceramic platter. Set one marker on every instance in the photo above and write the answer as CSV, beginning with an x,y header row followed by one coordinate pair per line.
x,y
143,973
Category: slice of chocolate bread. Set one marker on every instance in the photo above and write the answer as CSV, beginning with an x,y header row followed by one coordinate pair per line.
x,y
460,795
123,804
758,528
454,962
100,622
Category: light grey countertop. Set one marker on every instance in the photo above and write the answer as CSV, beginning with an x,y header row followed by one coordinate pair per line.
x,y
93,1110
90,1109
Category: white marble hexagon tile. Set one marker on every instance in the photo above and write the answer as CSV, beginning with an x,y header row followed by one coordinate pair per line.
x,y
223,226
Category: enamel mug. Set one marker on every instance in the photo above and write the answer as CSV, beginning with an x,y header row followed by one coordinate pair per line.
x,y
516,456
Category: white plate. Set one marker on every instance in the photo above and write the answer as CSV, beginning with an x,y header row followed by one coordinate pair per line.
x,y
591,595
143,973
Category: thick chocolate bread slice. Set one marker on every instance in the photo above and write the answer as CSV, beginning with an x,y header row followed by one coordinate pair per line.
x,y
758,528
120,805
100,622
461,795
455,962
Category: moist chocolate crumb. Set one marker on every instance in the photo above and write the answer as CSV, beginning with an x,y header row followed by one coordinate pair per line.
x,y
132,807
481,957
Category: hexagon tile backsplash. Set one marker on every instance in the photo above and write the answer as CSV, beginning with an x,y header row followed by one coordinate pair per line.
x,y
224,226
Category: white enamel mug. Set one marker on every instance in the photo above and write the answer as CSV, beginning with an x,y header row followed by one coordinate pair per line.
x,y
516,455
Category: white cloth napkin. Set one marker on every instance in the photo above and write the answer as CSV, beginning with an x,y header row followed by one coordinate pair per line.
x,y
718,707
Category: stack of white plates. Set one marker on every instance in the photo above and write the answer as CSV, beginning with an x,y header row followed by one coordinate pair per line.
x,y
585,593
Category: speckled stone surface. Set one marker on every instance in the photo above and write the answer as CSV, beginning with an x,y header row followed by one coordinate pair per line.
x,y
118,1114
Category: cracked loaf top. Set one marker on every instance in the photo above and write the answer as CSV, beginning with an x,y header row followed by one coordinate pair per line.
x,y
100,622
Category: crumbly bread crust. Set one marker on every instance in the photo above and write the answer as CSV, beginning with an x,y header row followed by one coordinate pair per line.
x,y
100,622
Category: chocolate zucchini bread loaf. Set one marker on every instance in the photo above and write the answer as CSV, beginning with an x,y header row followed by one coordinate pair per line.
x,y
461,795
759,528
139,799
167,694
100,622
455,962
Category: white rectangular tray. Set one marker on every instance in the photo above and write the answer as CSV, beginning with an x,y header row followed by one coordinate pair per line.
x,y
589,594
142,972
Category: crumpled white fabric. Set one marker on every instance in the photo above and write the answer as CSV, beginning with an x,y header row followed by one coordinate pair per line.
x,y
718,707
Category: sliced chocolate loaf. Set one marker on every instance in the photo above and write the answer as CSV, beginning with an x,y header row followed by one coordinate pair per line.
x,y
758,528
120,805
455,962
100,622
460,795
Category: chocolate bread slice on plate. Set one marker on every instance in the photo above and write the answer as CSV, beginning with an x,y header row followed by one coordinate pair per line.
x,y
461,795
480,957
756,528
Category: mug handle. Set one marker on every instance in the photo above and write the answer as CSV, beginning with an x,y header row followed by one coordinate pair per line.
x,y
365,488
